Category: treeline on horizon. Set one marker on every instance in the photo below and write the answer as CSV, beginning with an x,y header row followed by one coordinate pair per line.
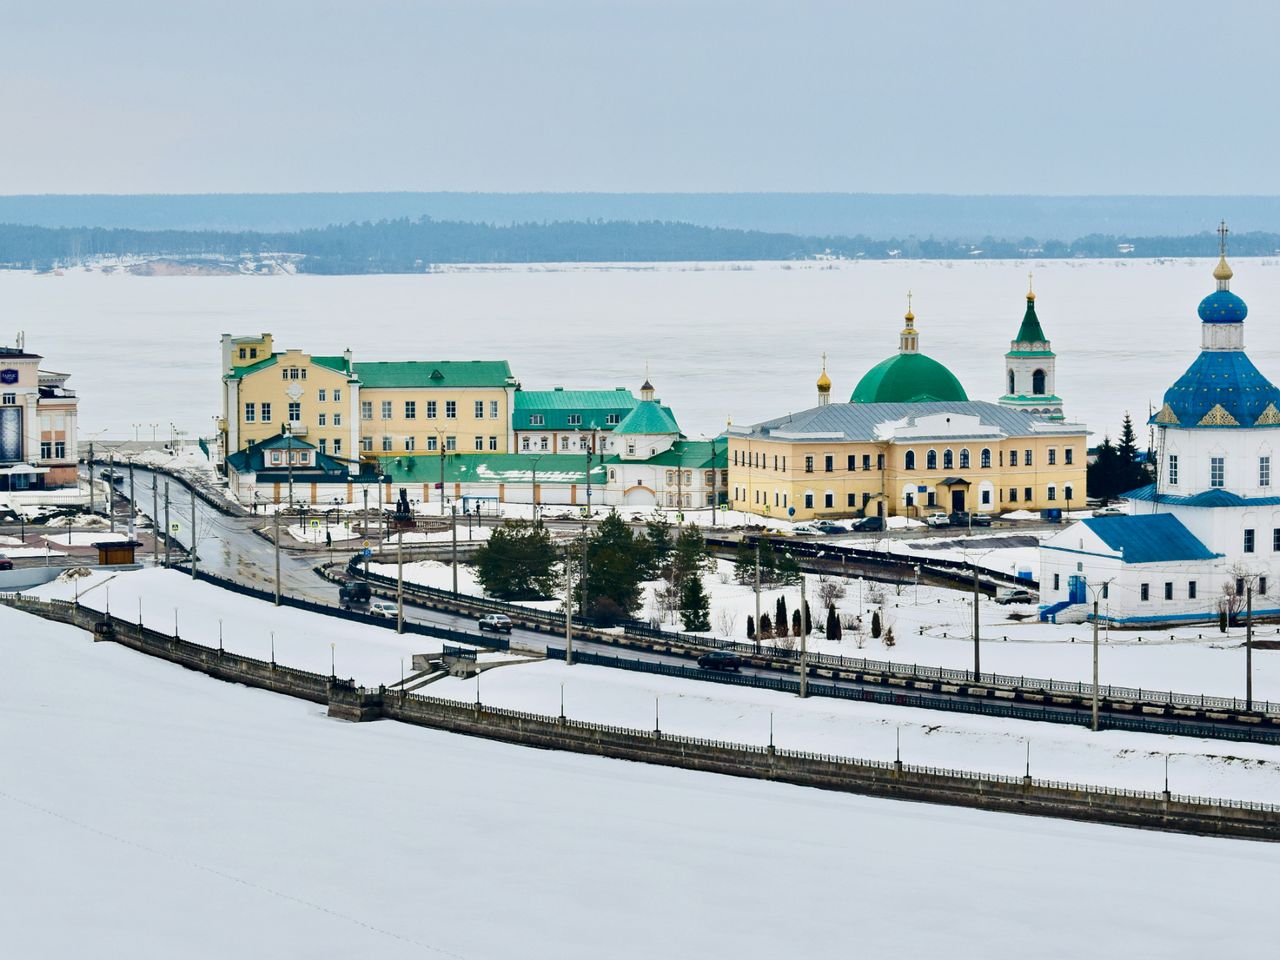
x,y
413,246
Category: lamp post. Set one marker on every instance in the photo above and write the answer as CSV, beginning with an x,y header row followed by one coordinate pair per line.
x,y
534,497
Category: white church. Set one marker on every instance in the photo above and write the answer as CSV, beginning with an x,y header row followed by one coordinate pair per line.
x,y
1209,527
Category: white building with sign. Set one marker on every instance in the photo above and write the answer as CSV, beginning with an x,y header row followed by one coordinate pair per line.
x,y
37,424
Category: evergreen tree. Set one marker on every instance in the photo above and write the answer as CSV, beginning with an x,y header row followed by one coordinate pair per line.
x,y
780,613
833,623
689,556
788,569
657,544
768,561
616,563
808,618
766,628
518,562
695,608
796,628
744,564
751,627
1101,474
875,624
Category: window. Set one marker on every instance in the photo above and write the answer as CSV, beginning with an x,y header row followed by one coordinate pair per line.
x,y
1013,458
432,443
337,419
524,443
321,395
243,353
829,463
480,443
249,413
1191,590
266,412
852,463
611,419
337,395
986,498
1053,492
366,444
1053,456
1217,471
1144,592
879,461
1264,471
910,460
410,444
1067,456
295,411
575,419
253,353
1026,460
1057,583
411,409
386,443
1026,494
1013,494
451,443
324,445
275,456
931,460
866,461
948,460
536,420
386,409
808,501
493,409
479,409
1239,586
784,464
1037,383
493,443
964,459
829,499
564,443
1248,541
321,419
1172,472
337,446
1067,492
542,444
986,458
1262,585
1168,589
9,399
808,464
366,409
1275,538
451,410
852,500
46,449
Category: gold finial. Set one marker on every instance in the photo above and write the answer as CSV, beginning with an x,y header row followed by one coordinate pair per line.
x,y
824,382
1222,272
1031,293
909,316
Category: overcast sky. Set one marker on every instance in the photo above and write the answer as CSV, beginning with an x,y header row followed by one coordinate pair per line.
x,y
614,95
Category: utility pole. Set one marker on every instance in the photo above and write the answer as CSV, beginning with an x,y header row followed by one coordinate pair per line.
x,y
276,539
453,510
155,514
715,474
804,645
93,500
1095,663
111,489
534,495
194,558
568,606
757,636
133,504
977,664
582,574
166,523
1248,646
400,583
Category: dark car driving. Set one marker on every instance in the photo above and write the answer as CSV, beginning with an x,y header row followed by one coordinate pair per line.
x,y
720,660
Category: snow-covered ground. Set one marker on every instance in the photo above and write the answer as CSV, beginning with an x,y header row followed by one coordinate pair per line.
x,y
934,626
80,539
371,655
610,320
153,812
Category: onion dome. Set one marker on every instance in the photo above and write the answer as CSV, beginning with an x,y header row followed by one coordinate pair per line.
x,y
909,376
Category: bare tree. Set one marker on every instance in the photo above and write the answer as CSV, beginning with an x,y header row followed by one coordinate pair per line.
x,y
727,620
830,591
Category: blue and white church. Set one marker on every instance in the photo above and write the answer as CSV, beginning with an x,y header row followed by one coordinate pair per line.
x,y
1210,524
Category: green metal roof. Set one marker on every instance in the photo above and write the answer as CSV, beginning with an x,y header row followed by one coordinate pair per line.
x,y
432,373
649,417
1030,331
695,454
516,468
593,408
908,378
338,364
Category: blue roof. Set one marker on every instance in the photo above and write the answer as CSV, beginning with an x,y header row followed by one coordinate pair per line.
x,y
1225,377
1150,538
1223,306
1206,498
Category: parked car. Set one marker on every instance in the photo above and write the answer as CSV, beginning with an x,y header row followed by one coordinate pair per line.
x,y
829,527
354,593
382,608
5,562
872,524
805,530
962,518
720,660
497,622
981,519
938,520
1009,595
1110,510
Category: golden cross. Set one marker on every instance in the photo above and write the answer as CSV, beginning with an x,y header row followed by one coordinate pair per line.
x,y
1222,238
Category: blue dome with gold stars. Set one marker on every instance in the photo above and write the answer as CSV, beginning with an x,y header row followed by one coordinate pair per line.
x,y
1223,306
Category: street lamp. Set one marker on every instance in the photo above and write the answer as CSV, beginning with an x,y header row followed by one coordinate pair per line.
x,y
534,497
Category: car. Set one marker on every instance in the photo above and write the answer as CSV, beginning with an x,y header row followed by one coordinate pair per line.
x,y
826,526
497,622
805,530
980,519
962,518
1009,595
873,524
5,562
354,593
720,660
1111,510
383,608
938,520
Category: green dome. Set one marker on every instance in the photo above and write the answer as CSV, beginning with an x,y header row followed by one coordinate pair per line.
x,y
908,378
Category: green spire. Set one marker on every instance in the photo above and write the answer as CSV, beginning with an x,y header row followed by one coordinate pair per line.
x,y
1030,331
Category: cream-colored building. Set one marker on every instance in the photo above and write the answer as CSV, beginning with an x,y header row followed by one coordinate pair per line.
x,y
368,411
38,416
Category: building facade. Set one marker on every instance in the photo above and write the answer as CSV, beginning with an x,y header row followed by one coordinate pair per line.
x,y
1030,369
38,417
1208,528
567,421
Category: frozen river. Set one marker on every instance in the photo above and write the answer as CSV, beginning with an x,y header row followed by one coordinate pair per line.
x,y
721,340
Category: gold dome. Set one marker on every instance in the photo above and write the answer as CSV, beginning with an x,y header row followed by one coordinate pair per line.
x,y
824,382
1031,296
1222,271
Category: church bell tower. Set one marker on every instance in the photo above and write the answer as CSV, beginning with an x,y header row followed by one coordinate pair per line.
x,y
1030,383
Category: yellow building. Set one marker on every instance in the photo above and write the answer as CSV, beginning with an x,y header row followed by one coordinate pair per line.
x,y
356,411
909,443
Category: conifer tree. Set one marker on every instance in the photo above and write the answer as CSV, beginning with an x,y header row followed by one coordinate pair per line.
x,y
695,608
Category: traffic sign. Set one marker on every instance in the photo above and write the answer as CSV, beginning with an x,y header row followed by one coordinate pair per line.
x,y
175,527
315,522
367,552
366,544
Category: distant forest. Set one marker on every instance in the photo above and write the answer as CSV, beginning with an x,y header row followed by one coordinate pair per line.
x,y
413,245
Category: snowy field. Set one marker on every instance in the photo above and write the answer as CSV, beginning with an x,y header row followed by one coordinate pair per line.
x,y
671,315
934,626
151,812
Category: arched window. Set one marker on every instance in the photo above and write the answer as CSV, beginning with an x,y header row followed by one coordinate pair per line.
x,y
911,460
931,460
1037,383
986,457
948,461
1011,391
964,459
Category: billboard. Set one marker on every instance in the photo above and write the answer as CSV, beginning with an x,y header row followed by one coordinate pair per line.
x,y
10,434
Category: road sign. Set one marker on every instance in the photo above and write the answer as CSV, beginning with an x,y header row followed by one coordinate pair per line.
x,y
315,523
366,544
175,527
367,552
